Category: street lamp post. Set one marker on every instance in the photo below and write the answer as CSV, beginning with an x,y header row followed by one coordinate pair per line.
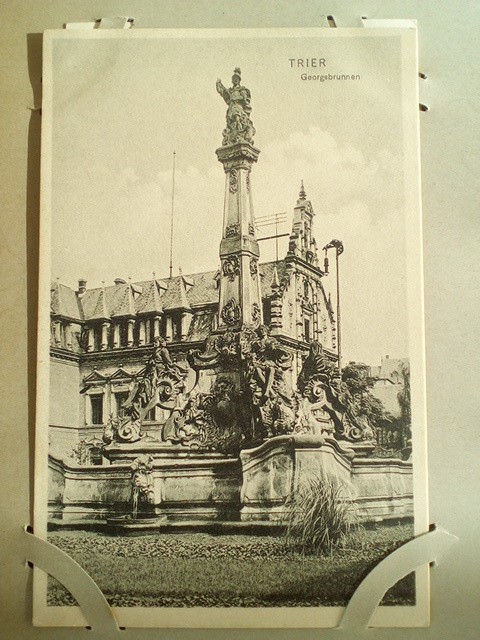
x,y
338,246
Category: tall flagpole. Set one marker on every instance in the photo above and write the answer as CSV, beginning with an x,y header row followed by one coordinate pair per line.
x,y
338,246
171,217
339,324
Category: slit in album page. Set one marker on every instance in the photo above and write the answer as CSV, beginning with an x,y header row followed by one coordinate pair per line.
x,y
231,405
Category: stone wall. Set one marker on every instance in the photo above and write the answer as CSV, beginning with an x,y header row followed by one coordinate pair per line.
x,y
191,485
89,492
383,487
186,486
281,465
64,393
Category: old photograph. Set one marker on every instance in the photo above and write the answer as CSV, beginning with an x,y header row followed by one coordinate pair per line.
x,y
230,413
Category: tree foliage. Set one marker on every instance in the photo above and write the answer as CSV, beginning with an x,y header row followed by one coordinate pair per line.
x,y
359,385
404,398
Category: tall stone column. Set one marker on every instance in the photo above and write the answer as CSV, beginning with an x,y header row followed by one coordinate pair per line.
x,y
240,297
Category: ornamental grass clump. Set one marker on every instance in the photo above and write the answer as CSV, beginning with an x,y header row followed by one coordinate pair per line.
x,y
319,515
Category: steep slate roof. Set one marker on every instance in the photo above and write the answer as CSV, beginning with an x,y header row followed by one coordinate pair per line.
x,y
100,311
149,296
126,302
266,275
149,300
175,297
204,289
64,302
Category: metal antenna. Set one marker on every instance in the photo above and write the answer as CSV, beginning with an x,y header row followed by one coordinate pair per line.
x,y
269,220
171,218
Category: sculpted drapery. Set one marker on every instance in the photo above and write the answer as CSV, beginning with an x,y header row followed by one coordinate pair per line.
x,y
239,125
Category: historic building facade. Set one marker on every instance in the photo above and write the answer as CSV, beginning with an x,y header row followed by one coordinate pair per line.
x,y
101,338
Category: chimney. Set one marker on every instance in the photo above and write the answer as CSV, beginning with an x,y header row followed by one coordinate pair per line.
x,y
82,286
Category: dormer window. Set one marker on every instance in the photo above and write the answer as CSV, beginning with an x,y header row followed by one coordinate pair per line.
x,y
188,282
136,290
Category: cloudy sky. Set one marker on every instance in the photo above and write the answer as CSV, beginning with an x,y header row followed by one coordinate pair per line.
x,y
121,106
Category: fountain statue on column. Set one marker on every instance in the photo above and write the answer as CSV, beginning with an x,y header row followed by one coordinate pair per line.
x,y
237,391
239,125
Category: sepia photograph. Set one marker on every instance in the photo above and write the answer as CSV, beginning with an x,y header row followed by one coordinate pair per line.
x,y
231,403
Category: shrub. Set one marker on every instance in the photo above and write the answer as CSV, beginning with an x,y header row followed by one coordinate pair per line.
x,y
318,515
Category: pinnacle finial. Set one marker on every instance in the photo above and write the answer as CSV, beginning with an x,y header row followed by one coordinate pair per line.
x,y
302,195
275,283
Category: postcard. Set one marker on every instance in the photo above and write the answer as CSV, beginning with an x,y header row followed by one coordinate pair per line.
x,y
231,406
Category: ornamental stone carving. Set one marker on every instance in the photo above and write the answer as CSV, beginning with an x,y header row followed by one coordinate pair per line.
x,y
239,127
321,384
211,421
231,267
253,267
160,383
143,497
233,181
231,312
127,429
256,314
232,230
266,362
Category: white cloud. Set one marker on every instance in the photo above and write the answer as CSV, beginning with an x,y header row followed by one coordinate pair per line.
x,y
123,229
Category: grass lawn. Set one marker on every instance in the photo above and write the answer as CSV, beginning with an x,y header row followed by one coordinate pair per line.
x,y
198,569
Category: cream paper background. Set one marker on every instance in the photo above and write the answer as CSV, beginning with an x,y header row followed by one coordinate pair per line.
x,y
451,232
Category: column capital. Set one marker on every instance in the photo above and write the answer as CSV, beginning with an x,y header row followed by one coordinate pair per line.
x,y
233,154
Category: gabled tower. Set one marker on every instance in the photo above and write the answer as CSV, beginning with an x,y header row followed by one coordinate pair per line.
x,y
240,296
302,243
